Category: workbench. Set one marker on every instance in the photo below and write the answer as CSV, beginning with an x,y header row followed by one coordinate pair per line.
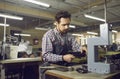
x,y
27,68
75,75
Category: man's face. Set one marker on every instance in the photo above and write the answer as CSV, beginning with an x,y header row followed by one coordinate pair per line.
x,y
63,25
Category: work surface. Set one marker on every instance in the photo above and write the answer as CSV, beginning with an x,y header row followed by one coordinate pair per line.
x,y
19,60
75,75
25,68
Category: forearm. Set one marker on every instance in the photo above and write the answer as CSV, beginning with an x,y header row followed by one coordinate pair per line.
x,y
49,57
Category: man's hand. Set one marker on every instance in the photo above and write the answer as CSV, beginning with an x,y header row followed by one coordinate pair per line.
x,y
68,57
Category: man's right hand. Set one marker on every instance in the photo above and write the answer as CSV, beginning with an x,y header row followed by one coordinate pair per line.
x,y
68,57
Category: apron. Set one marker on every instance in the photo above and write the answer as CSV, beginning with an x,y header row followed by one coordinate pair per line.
x,y
61,49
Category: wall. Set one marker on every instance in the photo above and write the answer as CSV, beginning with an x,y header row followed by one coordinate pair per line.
x,y
118,37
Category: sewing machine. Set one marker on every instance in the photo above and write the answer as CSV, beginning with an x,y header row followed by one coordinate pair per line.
x,y
105,39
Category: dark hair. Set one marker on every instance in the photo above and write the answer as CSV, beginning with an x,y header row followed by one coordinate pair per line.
x,y
62,14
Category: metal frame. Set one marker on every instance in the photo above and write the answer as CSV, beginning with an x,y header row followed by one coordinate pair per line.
x,y
104,39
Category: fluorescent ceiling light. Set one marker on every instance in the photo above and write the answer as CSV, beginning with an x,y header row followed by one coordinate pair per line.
x,y
72,26
38,3
22,34
114,31
11,16
38,28
77,34
93,17
93,33
1,24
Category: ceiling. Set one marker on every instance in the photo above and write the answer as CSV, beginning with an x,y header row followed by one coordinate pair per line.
x,y
38,16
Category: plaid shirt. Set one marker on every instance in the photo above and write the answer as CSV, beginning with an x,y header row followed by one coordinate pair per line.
x,y
55,45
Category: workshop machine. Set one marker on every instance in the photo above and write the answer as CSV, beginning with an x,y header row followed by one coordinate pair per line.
x,y
110,63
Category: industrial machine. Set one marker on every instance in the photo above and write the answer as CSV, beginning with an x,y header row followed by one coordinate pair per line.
x,y
109,65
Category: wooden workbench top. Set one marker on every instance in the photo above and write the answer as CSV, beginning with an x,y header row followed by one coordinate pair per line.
x,y
18,60
75,75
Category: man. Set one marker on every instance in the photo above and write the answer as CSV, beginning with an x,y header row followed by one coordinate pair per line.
x,y
25,50
56,43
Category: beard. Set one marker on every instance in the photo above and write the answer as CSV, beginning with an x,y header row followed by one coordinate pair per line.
x,y
64,32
